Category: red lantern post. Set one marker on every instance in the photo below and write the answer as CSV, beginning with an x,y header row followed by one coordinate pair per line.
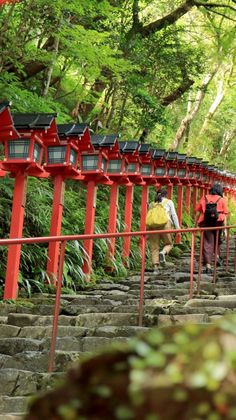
x,y
131,151
93,165
23,157
62,163
181,181
191,166
148,175
116,170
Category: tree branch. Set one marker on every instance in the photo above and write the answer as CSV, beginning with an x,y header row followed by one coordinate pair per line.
x,y
168,19
157,25
167,100
220,14
210,5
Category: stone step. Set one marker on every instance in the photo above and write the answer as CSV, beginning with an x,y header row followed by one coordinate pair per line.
x,y
79,332
211,311
19,416
114,319
13,404
166,320
94,319
16,345
17,383
230,304
23,320
38,362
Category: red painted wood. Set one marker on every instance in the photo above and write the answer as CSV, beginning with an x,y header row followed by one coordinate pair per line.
x,y
187,198
89,226
170,191
194,200
17,222
114,196
144,207
55,228
179,210
128,221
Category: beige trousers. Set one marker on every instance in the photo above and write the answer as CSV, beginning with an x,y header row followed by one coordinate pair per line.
x,y
155,243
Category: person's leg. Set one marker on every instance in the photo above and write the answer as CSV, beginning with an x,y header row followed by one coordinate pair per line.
x,y
168,243
208,248
154,248
219,262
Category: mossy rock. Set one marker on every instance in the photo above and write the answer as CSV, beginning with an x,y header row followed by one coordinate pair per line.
x,y
186,372
176,252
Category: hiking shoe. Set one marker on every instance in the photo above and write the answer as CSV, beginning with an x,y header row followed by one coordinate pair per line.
x,y
208,270
156,271
162,257
219,262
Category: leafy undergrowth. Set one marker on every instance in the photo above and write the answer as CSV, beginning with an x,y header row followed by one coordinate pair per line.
x,y
186,372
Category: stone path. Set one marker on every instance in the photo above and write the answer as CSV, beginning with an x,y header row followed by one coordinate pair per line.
x,y
95,317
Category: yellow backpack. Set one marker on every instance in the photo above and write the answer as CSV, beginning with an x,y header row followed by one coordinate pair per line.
x,y
157,216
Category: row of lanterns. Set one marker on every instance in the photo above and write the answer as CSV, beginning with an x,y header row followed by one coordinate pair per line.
x,y
35,145
71,149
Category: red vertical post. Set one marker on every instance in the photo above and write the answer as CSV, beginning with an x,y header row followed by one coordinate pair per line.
x,y
114,196
170,191
194,200
187,199
17,221
192,265
89,225
179,210
55,228
128,221
141,291
56,308
144,206
201,191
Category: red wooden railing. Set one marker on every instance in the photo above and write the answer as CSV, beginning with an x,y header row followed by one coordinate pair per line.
x,y
62,240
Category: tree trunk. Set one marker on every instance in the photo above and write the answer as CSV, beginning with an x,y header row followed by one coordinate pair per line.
x,y
192,112
221,89
112,107
228,137
50,69
122,110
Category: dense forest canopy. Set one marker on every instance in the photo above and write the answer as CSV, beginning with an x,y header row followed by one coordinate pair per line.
x,y
159,71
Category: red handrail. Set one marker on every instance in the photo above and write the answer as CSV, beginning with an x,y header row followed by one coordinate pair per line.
x,y
143,235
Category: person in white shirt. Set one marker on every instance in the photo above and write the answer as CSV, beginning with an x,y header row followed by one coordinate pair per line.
x,y
157,255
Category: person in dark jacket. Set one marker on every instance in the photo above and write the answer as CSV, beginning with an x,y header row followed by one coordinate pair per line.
x,y
209,240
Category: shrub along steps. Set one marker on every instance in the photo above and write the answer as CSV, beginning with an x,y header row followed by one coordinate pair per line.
x,y
96,316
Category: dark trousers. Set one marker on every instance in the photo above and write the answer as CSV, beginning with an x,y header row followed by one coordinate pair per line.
x,y
209,244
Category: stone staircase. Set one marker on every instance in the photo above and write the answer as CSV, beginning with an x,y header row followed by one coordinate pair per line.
x,y
98,316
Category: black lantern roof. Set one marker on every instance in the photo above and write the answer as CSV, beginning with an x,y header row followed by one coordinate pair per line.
x,y
158,153
4,105
128,146
172,155
33,121
181,157
104,140
191,160
71,129
97,140
211,168
144,148
198,161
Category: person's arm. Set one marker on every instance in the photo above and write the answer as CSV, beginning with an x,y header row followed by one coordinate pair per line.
x,y
173,215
